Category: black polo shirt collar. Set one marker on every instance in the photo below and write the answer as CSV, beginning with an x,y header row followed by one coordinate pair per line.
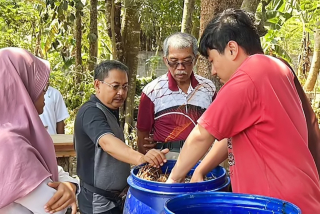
x,y
95,99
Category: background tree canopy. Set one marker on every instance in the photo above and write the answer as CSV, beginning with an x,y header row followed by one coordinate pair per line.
x,y
74,35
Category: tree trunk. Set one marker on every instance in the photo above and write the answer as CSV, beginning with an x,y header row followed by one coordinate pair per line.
x,y
131,40
78,35
33,36
117,30
110,19
315,65
209,8
250,5
186,25
93,36
303,60
196,19
37,50
108,15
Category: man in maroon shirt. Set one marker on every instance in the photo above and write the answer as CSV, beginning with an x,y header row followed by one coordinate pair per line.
x,y
171,104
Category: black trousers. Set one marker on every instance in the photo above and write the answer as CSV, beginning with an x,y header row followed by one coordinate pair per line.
x,y
115,210
86,205
172,146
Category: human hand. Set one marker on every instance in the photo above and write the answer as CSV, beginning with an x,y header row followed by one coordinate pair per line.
x,y
64,197
170,180
155,157
151,144
74,208
197,177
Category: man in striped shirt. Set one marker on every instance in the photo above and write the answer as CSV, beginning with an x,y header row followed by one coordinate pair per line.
x,y
171,104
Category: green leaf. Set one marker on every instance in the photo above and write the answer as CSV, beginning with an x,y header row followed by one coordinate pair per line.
x,y
45,17
57,3
278,5
65,26
55,44
79,5
65,5
72,17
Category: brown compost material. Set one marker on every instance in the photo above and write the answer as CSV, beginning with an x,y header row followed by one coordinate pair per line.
x,y
151,173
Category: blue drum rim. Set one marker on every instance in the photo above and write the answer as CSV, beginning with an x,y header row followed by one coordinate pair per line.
x,y
220,180
132,185
230,196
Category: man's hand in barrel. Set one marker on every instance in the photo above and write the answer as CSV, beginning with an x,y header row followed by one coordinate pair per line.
x,y
155,157
197,177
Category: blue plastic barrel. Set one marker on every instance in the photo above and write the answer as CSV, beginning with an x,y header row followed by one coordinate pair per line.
x,y
228,203
149,197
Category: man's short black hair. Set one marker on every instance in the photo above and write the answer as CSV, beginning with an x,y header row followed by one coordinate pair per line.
x,y
102,69
231,25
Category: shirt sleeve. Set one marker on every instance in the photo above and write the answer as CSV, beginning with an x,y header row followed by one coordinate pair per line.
x,y
235,108
61,110
65,177
95,124
145,114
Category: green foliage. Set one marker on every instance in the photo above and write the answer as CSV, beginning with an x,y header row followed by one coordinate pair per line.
x,y
140,84
159,19
153,63
291,34
46,28
74,94
105,44
316,109
18,23
271,45
196,19
309,12
285,21
275,15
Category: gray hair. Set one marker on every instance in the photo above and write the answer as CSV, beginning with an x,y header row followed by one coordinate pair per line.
x,y
180,40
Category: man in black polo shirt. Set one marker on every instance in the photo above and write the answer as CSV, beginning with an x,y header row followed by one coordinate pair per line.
x,y
103,159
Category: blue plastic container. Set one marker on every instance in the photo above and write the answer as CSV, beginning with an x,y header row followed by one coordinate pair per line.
x,y
228,203
149,197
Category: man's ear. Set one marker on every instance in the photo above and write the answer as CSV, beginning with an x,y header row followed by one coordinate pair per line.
x,y
164,60
97,85
232,50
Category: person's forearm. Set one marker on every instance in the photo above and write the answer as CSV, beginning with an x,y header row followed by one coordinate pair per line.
x,y
60,127
119,150
196,145
217,154
65,177
141,141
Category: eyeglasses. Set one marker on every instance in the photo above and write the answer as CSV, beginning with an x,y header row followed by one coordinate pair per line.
x,y
117,87
176,63
46,87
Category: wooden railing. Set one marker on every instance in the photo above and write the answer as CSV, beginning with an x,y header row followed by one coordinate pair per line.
x,y
65,153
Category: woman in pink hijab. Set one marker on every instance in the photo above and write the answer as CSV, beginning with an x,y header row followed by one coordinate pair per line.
x,y
29,178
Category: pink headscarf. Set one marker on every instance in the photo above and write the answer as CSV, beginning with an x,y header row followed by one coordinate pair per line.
x,y
27,155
